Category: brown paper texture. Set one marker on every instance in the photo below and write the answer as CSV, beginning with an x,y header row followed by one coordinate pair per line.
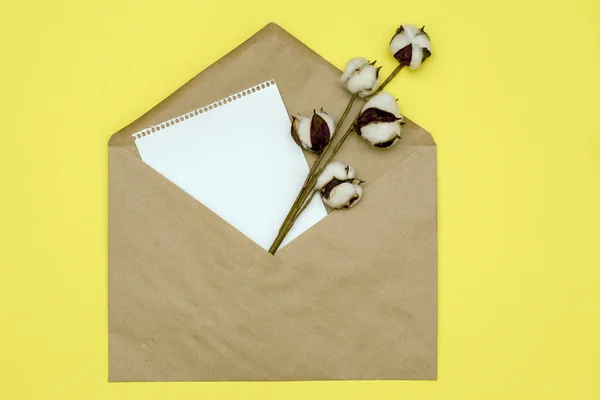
x,y
354,297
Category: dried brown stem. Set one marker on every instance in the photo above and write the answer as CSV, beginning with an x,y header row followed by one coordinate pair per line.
x,y
294,210
311,179
306,203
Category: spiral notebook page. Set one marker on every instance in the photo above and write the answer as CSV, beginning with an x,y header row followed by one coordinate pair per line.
x,y
237,157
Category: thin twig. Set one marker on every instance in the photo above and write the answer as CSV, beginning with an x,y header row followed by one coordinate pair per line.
x,y
306,203
311,181
289,219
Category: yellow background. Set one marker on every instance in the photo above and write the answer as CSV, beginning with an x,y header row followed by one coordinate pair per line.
x,y
510,95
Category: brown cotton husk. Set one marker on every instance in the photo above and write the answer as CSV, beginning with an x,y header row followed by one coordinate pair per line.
x,y
371,115
404,55
319,133
326,191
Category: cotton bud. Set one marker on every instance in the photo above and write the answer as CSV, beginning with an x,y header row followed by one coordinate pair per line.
x,y
360,76
313,133
410,46
380,121
338,186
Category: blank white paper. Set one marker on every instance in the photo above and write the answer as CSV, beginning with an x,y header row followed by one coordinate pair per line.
x,y
238,159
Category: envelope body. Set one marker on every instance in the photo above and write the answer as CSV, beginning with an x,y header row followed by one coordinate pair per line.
x,y
354,297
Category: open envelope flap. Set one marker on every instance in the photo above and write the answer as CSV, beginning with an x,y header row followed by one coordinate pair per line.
x,y
353,298
306,81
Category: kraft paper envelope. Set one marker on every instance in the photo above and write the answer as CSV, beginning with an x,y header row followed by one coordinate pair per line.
x,y
354,297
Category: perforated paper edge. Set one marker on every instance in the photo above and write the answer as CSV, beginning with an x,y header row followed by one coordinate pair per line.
x,y
204,109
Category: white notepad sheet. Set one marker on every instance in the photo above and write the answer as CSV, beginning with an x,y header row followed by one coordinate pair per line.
x,y
237,157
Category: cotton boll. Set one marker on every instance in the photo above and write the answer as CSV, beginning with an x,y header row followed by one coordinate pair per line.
x,y
411,46
338,186
335,170
313,133
380,121
360,76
